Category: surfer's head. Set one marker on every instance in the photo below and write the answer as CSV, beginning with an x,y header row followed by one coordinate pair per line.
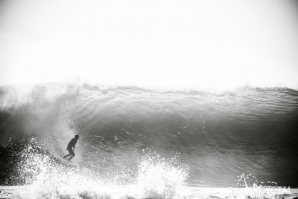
x,y
77,137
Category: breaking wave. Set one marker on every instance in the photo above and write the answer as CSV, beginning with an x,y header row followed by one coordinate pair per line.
x,y
155,140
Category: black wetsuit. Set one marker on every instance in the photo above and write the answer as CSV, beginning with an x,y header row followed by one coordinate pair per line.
x,y
71,145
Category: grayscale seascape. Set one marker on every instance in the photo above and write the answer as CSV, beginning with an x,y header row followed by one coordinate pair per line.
x,y
139,143
149,99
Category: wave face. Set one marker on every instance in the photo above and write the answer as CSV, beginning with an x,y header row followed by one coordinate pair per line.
x,y
217,136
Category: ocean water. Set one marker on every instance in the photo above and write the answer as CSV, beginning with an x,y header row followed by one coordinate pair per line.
x,y
145,143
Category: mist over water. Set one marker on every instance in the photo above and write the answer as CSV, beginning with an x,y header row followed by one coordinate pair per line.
x,y
208,139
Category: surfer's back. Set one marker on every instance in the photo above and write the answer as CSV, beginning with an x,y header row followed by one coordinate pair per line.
x,y
72,143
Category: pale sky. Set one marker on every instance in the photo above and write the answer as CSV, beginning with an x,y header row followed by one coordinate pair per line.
x,y
196,44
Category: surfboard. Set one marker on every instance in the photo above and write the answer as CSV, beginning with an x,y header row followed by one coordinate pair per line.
x,y
65,161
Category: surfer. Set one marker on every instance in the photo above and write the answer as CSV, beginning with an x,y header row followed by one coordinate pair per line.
x,y
71,146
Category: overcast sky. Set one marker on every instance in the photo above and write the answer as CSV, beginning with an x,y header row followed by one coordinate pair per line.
x,y
158,43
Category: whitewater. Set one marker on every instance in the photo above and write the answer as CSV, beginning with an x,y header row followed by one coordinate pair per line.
x,y
147,143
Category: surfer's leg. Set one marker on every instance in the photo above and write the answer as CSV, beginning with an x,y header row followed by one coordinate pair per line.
x,y
70,158
70,151
72,154
67,155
